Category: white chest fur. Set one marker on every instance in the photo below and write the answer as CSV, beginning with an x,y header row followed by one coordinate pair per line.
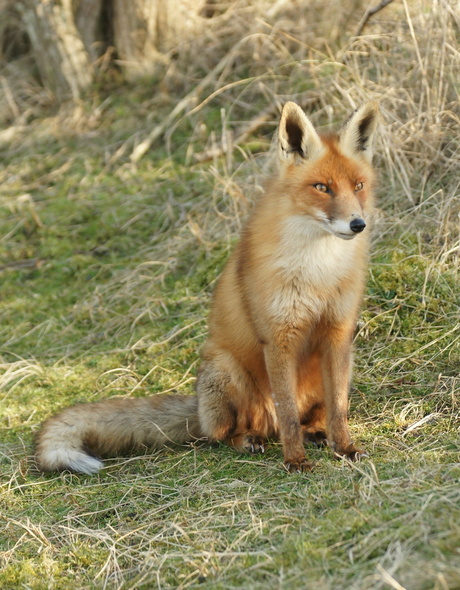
x,y
311,265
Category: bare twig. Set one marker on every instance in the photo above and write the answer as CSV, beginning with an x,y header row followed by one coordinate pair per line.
x,y
370,12
20,264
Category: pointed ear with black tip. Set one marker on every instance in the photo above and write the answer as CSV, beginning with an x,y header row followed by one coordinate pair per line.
x,y
296,135
356,136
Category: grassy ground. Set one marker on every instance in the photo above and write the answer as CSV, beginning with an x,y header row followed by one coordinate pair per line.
x,y
107,270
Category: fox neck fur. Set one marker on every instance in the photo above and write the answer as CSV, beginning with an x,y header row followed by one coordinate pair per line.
x,y
309,267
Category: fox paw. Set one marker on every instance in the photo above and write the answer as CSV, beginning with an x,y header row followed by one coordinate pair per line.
x,y
317,438
248,442
351,453
301,466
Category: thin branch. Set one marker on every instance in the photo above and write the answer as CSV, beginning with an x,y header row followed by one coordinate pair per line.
x,y
370,12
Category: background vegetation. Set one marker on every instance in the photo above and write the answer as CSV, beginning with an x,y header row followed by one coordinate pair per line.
x,y
120,200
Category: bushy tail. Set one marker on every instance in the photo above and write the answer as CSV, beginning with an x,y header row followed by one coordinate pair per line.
x,y
73,439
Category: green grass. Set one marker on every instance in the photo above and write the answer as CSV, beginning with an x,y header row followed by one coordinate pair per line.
x,y
107,270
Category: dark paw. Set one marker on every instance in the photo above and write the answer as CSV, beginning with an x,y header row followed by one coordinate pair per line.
x,y
253,443
248,442
352,453
317,438
301,466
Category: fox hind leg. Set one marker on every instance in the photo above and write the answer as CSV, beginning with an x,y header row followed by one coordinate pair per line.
x,y
314,426
251,441
224,412
313,436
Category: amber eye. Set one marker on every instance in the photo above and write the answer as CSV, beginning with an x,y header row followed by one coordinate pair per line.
x,y
322,188
359,186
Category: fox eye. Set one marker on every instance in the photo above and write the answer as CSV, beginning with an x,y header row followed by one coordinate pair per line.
x,y
359,186
322,188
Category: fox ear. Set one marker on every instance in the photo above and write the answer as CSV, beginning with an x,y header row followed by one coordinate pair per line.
x,y
296,135
356,136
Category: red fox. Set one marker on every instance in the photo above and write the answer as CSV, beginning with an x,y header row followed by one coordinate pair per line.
x,y
278,359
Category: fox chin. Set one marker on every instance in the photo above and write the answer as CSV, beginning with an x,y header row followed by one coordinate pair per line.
x,y
277,363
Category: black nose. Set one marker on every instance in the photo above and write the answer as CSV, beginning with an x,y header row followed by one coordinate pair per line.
x,y
357,225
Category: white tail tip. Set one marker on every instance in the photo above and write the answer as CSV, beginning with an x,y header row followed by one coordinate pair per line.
x,y
69,459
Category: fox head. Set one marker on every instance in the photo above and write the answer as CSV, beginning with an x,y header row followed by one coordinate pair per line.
x,y
329,177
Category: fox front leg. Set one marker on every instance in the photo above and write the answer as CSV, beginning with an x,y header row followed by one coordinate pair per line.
x,y
281,372
336,370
